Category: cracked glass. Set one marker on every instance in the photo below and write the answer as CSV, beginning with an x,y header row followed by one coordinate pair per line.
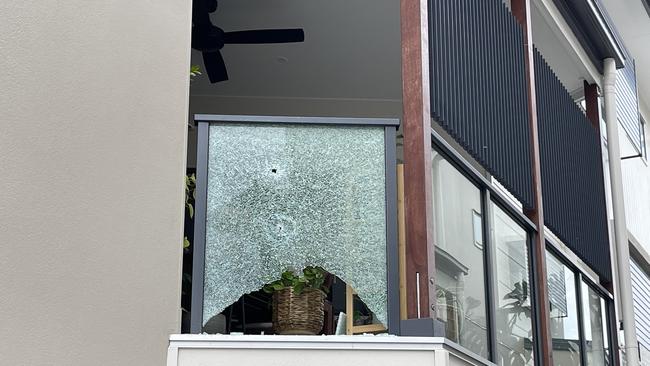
x,y
286,196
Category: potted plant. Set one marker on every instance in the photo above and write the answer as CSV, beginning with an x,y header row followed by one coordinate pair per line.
x,y
298,301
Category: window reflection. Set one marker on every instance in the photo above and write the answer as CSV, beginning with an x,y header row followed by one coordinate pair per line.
x,y
564,312
595,327
460,268
513,312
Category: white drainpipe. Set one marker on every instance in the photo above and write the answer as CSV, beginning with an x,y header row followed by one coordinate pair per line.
x,y
622,254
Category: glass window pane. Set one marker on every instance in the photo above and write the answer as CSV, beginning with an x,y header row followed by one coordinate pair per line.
x,y
595,327
514,327
283,197
564,312
460,268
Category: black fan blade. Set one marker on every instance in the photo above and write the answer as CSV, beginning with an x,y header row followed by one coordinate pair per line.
x,y
215,66
212,5
265,36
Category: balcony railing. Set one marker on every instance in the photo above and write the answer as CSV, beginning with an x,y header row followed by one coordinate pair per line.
x,y
276,194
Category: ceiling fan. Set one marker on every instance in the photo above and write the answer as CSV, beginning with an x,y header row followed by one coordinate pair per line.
x,y
210,39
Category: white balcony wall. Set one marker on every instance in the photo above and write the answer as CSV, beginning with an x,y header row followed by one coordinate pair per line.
x,y
198,350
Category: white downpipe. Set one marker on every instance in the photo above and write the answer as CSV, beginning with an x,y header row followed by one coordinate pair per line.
x,y
620,224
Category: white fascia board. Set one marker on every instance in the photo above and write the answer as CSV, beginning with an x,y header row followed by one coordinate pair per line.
x,y
603,24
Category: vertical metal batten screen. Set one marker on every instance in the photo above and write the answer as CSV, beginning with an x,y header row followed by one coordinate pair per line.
x,y
478,87
627,103
572,172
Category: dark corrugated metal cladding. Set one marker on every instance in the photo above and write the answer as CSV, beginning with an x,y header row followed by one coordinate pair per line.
x,y
478,87
479,96
572,174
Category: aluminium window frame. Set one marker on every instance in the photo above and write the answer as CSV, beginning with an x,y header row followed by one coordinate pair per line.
x,y
390,126
467,169
577,289
610,315
491,194
580,277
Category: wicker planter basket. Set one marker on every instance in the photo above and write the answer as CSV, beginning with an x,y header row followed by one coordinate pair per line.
x,y
298,314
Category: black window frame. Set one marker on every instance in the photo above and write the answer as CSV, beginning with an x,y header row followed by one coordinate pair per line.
x,y
580,277
492,194
609,314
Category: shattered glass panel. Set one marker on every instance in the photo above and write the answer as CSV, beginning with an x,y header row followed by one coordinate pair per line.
x,y
289,196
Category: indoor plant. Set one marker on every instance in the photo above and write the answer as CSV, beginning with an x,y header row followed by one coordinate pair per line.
x,y
298,301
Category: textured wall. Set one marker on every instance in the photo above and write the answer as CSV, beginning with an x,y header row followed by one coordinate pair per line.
x,y
93,109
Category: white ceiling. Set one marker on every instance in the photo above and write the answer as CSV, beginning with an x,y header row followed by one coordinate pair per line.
x,y
633,24
557,51
351,50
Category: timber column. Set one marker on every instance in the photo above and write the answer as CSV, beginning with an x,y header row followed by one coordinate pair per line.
x,y
416,127
521,11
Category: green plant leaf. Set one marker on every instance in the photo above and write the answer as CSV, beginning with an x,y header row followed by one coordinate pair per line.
x,y
268,288
186,243
299,288
194,71
311,278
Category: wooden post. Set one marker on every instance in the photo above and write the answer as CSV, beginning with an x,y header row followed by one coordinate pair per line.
x,y
349,310
401,242
350,328
416,125
521,11
591,105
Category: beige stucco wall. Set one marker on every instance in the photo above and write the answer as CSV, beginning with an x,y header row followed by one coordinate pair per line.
x,y
93,108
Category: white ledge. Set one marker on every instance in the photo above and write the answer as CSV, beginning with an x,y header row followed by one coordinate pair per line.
x,y
310,342
359,343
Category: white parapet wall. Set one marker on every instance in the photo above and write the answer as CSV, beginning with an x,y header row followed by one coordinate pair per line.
x,y
250,350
